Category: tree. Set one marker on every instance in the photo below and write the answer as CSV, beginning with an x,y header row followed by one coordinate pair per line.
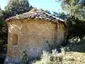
x,y
76,17
76,28
75,8
61,15
16,7
3,36
1,17
48,11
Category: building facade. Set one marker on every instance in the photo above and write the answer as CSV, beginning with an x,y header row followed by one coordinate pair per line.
x,y
34,32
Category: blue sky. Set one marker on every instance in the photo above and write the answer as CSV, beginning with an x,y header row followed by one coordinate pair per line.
x,y
51,5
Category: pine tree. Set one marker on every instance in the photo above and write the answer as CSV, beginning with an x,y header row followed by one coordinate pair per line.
x,y
17,7
75,8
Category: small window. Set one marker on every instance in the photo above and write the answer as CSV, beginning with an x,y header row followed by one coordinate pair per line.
x,y
14,39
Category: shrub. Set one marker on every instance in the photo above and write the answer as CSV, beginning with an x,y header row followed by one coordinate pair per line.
x,y
24,58
51,58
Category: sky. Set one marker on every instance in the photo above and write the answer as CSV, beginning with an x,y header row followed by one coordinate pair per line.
x,y
51,5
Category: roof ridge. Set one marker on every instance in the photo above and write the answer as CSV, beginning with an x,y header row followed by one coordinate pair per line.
x,y
36,13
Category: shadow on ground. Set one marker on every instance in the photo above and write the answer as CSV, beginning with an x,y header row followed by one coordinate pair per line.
x,y
76,46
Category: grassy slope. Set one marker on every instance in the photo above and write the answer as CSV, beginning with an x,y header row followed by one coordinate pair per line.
x,y
75,53
74,58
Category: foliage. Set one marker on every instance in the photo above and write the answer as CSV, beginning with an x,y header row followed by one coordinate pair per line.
x,y
51,58
76,17
75,8
48,11
60,15
24,57
16,7
61,58
3,39
3,34
76,28
76,45
1,17
55,13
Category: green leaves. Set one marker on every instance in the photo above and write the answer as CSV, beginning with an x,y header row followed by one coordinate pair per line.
x,y
1,17
17,7
74,8
24,57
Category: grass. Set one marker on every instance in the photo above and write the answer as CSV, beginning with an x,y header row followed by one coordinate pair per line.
x,y
74,58
73,53
62,58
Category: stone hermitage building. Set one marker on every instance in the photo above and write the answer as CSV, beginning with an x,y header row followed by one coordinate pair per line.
x,y
34,32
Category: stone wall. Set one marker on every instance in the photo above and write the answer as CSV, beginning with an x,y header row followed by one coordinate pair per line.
x,y
34,35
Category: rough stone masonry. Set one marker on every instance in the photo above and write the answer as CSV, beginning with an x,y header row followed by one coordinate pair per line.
x,y
34,32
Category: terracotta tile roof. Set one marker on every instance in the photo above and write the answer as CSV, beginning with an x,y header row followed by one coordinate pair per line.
x,y
34,14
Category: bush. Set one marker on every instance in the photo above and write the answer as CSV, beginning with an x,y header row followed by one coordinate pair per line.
x,y
51,58
15,7
24,57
